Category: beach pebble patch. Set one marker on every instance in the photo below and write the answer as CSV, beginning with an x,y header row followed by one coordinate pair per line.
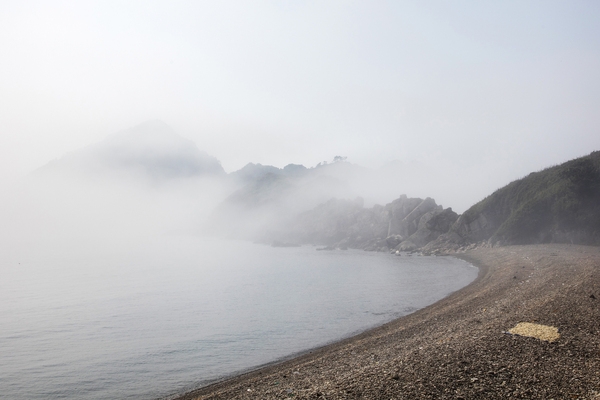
x,y
541,332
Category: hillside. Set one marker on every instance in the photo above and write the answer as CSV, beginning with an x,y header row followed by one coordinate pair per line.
x,y
270,198
151,150
560,204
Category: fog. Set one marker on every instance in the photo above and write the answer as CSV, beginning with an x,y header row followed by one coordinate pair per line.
x,y
130,187
150,151
148,181
449,101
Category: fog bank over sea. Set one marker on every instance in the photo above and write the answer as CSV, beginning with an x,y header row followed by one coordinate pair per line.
x,y
166,314
110,288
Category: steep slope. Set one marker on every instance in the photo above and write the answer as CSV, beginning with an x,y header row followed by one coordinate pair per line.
x,y
560,204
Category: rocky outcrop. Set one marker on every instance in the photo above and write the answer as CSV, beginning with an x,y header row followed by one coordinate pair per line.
x,y
406,224
475,227
432,225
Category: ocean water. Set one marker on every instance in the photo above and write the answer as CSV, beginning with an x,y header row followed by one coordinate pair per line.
x,y
169,314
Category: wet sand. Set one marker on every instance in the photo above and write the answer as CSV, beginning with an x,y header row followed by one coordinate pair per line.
x,y
459,348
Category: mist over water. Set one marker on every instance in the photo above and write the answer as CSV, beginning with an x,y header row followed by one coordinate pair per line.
x,y
169,313
142,181
109,290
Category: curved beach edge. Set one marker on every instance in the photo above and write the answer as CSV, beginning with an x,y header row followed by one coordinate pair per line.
x,y
460,347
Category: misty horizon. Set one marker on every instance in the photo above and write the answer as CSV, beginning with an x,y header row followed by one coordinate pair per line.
x,y
484,93
151,178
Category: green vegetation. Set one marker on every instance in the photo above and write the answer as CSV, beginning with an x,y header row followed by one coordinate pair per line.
x,y
558,204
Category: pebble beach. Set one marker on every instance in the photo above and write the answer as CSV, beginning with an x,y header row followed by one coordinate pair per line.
x,y
462,346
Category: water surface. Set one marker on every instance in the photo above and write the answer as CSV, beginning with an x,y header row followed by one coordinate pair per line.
x,y
171,313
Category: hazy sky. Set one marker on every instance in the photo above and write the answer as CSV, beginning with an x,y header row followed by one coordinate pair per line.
x,y
501,88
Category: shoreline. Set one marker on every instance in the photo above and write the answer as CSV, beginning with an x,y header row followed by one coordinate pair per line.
x,y
458,346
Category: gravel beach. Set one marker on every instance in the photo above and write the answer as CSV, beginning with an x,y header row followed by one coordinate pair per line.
x,y
459,347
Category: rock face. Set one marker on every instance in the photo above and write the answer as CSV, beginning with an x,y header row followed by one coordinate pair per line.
x,y
405,224
432,225
267,200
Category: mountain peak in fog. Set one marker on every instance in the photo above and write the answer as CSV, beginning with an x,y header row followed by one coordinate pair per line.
x,y
152,149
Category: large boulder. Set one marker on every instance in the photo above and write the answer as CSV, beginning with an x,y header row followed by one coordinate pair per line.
x,y
398,210
432,225
446,243
393,241
442,222
409,223
407,245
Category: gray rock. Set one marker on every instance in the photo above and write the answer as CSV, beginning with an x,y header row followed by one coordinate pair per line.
x,y
407,245
393,241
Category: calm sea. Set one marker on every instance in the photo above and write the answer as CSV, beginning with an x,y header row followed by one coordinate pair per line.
x,y
169,314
